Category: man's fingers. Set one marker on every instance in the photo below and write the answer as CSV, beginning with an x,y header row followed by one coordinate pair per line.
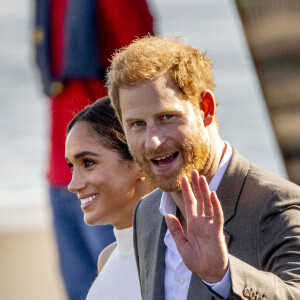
x,y
197,192
176,231
217,210
206,197
188,196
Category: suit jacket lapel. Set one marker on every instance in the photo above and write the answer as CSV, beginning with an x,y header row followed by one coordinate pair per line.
x,y
198,290
231,184
153,250
159,266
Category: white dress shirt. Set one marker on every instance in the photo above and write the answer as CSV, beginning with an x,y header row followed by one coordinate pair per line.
x,y
177,275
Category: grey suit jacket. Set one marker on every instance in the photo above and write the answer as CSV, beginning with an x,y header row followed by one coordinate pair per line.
x,y
262,230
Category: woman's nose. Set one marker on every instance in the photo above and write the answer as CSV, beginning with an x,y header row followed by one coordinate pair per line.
x,y
77,183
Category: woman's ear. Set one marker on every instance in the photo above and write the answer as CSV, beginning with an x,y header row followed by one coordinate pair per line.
x,y
145,183
208,106
141,175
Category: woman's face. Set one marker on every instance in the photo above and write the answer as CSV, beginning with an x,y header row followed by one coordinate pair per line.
x,y
105,184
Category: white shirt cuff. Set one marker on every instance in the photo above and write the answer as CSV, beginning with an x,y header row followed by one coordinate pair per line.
x,y
222,287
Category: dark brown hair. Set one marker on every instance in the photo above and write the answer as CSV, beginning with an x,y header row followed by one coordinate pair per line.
x,y
105,123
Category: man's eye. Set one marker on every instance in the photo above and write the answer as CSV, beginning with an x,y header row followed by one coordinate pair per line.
x,y
88,163
138,123
168,116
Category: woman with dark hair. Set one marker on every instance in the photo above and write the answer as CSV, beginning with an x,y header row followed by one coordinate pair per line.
x,y
109,183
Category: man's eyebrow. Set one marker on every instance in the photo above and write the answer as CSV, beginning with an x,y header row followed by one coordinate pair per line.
x,y
84,153
130,120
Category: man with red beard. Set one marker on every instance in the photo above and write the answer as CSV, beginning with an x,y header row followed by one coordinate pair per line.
x,y
218,226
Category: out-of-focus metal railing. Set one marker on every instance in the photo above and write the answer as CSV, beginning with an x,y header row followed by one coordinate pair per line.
x,y
272,30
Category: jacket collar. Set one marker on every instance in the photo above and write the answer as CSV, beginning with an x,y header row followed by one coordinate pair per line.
x,y
232,183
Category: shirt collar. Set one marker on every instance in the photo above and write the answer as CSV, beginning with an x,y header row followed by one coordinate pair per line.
x,y
167,204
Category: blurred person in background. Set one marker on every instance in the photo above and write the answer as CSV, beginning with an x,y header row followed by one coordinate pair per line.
x,y
74,41
109,183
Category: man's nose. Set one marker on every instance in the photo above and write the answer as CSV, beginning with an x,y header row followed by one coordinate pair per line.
x,y
154,138
77,183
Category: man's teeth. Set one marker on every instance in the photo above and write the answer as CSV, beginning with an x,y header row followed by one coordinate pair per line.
x,y
88,199
163,157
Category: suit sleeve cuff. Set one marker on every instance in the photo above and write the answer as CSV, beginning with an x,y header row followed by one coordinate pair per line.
x,y
222,287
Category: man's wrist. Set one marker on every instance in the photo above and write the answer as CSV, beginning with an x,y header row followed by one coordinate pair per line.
x,y
222,287
217,277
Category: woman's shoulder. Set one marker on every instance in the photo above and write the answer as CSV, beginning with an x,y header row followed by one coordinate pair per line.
x,y
104,255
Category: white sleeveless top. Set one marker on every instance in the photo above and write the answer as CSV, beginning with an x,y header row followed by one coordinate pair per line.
x,y
119,277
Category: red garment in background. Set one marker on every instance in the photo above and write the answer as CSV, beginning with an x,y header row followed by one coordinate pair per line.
x,y
119,22
76,95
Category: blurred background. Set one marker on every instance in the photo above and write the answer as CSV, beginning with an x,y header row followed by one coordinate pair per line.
x,y
28,257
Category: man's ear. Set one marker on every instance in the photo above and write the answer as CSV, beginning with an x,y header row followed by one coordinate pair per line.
x,y
208,106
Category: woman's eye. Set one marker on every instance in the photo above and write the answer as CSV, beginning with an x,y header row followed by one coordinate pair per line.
x,y
88,163
70,166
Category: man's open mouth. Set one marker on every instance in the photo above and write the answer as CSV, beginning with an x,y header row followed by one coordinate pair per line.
x,y
164,160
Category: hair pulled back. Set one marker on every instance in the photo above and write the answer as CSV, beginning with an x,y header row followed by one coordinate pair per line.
x,y
105,123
